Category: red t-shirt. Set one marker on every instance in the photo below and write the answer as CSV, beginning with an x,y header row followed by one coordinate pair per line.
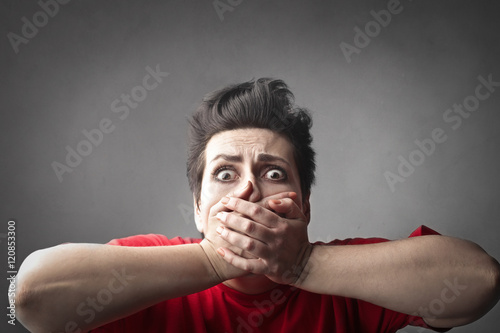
x,y
282,309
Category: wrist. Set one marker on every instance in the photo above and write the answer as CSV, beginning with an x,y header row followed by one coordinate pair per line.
x,y
219,269
303,267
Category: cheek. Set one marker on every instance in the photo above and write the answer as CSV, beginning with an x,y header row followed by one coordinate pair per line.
x,y
209,193
209,196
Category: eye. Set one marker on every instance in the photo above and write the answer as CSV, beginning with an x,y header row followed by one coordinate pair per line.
x,y
225,175
276,174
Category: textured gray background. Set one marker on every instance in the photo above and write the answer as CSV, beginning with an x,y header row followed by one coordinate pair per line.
x,y
366,113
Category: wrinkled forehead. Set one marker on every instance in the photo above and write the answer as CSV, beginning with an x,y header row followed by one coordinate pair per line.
x,y
249,144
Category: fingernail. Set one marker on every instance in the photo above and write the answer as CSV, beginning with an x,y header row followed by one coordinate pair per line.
x,y
276,202
221,252
219,230
224,200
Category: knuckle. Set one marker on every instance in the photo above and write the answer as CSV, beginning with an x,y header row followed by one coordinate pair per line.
x,y
250,245
247,267
236,203
279,242
274,270
280,231
255,210
248,227
284,227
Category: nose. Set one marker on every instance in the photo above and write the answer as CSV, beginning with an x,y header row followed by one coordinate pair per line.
x,y
255,192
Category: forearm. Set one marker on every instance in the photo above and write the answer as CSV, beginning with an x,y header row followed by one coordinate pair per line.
x,y
82,286
456,278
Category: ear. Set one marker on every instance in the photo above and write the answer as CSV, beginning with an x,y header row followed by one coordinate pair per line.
x,y
306,208
197,216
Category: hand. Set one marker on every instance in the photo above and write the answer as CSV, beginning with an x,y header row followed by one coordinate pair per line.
x,y
274,232
212,243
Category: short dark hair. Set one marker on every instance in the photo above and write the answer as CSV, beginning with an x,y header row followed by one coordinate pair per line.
x,y
263,103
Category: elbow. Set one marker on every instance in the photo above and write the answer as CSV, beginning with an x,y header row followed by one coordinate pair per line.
x,y
486,272
27,300
495,280
488,291
24,306
485,294
44,292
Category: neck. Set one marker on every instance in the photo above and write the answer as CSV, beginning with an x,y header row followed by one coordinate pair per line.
x,y
251,284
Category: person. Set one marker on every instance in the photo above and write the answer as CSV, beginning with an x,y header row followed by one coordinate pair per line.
x,y
250,168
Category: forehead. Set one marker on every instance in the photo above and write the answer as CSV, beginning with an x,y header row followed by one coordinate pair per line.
x,y
249,142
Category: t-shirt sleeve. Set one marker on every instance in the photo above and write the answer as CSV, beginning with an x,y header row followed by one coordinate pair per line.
x,y
386,320
152,240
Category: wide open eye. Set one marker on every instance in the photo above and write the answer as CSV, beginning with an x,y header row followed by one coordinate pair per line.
x,y
276,174
225,175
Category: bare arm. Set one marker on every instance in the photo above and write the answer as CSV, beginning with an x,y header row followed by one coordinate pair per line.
x,y
75,287
447,281
78,287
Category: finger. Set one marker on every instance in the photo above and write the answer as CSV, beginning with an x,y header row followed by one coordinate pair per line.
x,y
248,244
281,195
242,193
287,207
255,266
214,237
252,210
218,207
246,226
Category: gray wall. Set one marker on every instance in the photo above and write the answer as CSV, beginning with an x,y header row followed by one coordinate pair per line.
x,y
368,108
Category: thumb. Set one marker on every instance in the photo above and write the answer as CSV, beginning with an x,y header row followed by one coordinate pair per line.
x,y
242,193
286,207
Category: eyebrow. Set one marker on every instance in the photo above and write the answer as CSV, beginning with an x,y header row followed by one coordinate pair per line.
x,y
229,158
263,157
271,158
